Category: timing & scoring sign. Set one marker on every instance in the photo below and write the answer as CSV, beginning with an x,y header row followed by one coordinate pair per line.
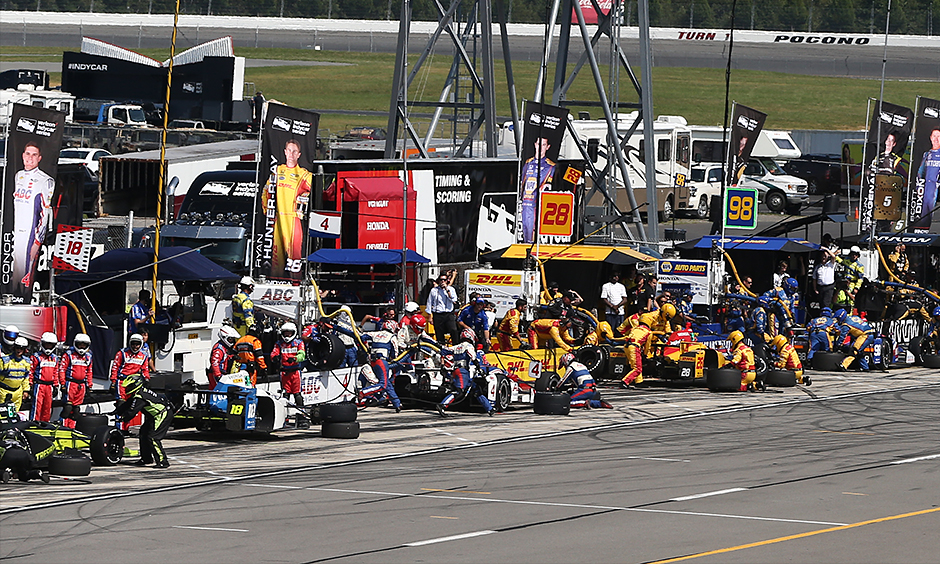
x,y
741,208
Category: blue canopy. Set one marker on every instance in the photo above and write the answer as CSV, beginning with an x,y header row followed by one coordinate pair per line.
x,y
364,256
136,264
753,244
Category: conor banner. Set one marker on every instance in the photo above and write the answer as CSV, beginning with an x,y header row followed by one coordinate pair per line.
x,y
925,165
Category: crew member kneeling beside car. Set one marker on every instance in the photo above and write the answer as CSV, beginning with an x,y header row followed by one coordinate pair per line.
x,y
862,334
583,389
742,358
788,359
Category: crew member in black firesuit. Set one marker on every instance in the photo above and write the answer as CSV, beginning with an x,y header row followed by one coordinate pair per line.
x,y
157,419
17,457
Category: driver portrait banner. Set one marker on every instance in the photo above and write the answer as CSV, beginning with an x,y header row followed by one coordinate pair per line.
x,y
925,166
885,145
746,124
288,149
31,199
543,132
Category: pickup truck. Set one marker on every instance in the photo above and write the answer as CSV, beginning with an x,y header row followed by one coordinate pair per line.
x,y
704,185
780,191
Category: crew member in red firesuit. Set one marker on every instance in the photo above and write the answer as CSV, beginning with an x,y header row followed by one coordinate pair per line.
x,y
44,377
222,355
289,354
75,376
583,389
130,360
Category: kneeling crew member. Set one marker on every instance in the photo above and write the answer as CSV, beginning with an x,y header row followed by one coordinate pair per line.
x,y
821,331
863,335
157,419
788,359
743,359
577,377
456,360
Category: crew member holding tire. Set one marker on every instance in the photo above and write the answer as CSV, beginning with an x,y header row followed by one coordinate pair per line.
x,y
75,375
788,359
44,377
821,330
509,326
243,309
583,389
222,355
742,358
15,371
456,361
862,334
289,354
157,419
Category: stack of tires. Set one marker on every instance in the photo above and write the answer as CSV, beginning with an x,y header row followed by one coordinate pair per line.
x,y
924,353
549,401
338,421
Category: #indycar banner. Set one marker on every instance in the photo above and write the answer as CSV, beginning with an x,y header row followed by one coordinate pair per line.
x,y
746,124
885,145
288,146
31,201
925,166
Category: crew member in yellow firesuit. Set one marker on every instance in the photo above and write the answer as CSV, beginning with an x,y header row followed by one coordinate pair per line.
x,y
742,358
509,326
646,325
542,330
603,334
292,184
656,320
14,372
788,359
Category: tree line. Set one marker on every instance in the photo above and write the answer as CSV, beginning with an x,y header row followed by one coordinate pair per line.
x,y
914,17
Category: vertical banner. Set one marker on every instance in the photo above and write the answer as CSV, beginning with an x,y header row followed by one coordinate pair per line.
x,y
746,124
30,198
541,141
288,147
885,145
925,165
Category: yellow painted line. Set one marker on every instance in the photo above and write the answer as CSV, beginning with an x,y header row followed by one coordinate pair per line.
x,y
799,536
461,491
439,517
844,432
852,493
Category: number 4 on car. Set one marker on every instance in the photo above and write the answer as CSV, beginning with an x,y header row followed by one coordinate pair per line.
x,y
741,208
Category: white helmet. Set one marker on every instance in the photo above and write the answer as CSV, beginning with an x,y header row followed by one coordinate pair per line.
x,y
411,307
21,342
135,342
10,333
48,342
81,342
246,281
288,330
229,334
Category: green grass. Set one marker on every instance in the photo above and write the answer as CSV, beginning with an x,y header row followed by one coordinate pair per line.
x,y
364,82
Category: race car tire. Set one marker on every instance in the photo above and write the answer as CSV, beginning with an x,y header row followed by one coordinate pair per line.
x,y
887,353
547,381
503,393
594,358
724,380
343,430
915,348
827,361
932,361
780,378
344,412
328,352
552,403
107,446
87,423
69,465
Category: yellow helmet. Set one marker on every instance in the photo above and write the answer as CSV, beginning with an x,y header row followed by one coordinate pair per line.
x,y
667,312
779,341
736,337
604,329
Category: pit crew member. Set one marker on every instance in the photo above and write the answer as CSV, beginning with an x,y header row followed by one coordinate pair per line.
x,y
543,330
141,311
243,309
509,326
75,376
757,328
222,355
249,355
788,359
742,358
475,319
15,369
157,419
44,377
456,360
385,323
821,331
289,354
10,333
128,361
863,335
583,389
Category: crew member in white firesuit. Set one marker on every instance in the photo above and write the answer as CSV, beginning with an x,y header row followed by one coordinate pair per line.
x,y
243,309
289,354
44,377
583,389
456,361
222,355
75,376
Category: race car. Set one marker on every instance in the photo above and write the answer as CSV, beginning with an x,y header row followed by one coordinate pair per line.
x,y
233,405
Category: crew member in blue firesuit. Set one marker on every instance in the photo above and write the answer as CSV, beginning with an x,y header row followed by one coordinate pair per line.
x,y
821,331
757,322
456,360
583,389
788,297
863,335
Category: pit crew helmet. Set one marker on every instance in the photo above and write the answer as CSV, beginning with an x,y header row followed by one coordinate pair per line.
x,y
736,337
448,363
411,307
48,342
10,333
81,342
133,383
936,312
779,341
790,285
20,343
826,312
468,336
840,315
229,335
135,342
288,331
246,282
667,312
566,359
420,322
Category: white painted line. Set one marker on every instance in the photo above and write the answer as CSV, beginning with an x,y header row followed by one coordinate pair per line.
x,y
658,459
708,494
446,539
918,459
211,529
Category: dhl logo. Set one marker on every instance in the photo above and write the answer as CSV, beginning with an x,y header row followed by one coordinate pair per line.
x,y
496,279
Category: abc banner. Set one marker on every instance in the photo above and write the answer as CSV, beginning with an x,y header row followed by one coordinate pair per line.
x,y
887,140
925,166
541,140
288,148
746,124
31,201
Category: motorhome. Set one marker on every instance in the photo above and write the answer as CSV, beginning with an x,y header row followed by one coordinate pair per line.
x,y
26,95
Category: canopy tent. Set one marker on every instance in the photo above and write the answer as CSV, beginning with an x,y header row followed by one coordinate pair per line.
x,y
752,244
590,253
365,256
179,264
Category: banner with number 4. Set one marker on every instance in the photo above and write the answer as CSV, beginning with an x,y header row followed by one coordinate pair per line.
x,y
72,248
